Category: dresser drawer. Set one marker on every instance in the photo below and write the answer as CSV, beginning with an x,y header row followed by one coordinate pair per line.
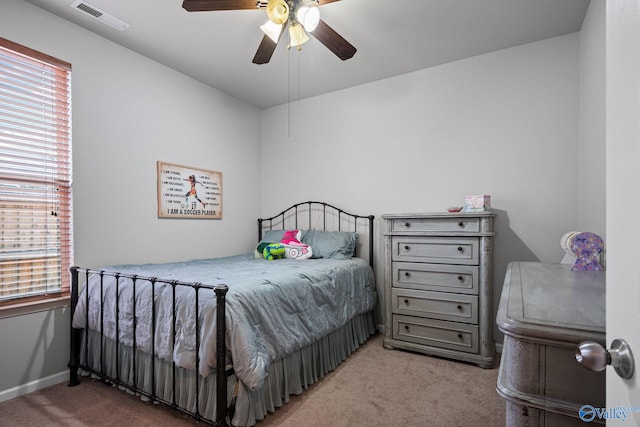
x,y
435,305
469,225
436,333
462,279
451,250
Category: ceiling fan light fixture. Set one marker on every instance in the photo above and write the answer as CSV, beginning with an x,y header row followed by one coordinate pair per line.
x,y
278,11
308,17
272,30
297,36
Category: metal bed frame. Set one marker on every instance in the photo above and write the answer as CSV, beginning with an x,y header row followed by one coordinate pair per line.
x,y
308,215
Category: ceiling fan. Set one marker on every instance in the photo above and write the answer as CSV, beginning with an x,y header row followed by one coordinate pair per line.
x,y
300,16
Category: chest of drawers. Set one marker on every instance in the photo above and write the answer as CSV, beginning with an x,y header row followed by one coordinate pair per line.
x,y
545,311
438,285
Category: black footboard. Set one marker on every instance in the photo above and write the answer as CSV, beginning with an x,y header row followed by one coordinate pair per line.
x,y
77,335
307,215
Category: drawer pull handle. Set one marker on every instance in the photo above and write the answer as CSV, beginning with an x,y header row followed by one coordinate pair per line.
x,y
459,307
460,336
406,328
461,224
406,247
407,274
460,249
460,278
406,302
407,224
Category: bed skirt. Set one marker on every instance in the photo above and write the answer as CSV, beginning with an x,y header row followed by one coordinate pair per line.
x,y
287,376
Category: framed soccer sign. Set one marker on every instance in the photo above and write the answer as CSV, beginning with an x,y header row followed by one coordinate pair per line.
x,y
188,192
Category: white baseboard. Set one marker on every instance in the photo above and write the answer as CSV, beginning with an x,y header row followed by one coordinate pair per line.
x,y
34,386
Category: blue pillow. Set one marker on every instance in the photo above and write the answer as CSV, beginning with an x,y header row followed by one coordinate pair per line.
x,y
330,244
272,236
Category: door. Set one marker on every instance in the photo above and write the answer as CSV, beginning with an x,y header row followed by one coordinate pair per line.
x,y
623,199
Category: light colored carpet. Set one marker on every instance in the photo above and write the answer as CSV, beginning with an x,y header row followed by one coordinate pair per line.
x,y
373,387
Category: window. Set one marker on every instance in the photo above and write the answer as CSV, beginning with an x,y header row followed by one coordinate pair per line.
x,y
35,175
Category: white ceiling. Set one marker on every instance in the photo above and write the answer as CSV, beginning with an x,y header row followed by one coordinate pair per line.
x,y
392,37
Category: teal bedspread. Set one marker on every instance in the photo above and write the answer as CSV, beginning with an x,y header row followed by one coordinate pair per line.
x,y
274,308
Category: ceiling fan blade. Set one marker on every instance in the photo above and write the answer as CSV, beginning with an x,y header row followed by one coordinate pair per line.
x,y
268,46
265,51
208,5
333,41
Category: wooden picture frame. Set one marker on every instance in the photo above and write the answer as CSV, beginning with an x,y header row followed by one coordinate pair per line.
x,y
188,192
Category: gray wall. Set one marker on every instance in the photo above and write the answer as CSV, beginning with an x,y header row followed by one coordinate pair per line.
x,y
591,182
128,113
514,124
503,124
33,347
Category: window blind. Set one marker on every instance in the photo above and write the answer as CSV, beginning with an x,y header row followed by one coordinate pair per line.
x,y
35,174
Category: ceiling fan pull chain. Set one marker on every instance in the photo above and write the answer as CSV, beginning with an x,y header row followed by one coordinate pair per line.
x,y
298,58
289,93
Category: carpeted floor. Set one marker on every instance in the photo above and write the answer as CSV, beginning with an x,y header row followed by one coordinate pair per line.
x,y
374,387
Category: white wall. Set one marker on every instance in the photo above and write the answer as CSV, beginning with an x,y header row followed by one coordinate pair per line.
x,y
591,183
129,112
504,124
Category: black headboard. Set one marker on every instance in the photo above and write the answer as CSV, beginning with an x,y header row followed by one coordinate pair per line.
x,y
323,216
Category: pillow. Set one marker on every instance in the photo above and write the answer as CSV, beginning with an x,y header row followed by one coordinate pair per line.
x,y
276,236
272,236
330,244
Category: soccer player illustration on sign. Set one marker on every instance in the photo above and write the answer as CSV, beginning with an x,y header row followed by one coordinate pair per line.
x,y
192,191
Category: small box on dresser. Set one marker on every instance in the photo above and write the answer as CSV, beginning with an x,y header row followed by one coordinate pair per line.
x,y
439,284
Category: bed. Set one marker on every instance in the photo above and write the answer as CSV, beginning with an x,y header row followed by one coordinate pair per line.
x,y
228,340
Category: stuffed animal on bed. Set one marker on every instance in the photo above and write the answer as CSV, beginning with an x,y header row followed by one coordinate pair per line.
x,y
273,251
289,246
294,248
270,251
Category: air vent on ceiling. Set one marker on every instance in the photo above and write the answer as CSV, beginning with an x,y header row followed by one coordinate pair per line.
x,y
100,15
